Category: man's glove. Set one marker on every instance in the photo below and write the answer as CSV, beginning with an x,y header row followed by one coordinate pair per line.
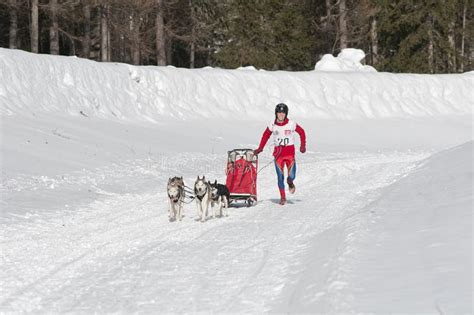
x,y
257,151
303,149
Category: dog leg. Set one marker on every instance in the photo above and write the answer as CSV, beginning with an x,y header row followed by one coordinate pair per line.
x,y
179,211
199,210
180,208
220,207
172,215
226,206
169,209
202,211
205,208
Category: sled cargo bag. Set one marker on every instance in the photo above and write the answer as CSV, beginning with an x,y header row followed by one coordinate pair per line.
x,y
241,174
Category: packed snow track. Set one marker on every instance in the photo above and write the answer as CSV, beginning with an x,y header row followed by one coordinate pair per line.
x,y
121,254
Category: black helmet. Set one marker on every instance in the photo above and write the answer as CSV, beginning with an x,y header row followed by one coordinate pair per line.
x,y
281,108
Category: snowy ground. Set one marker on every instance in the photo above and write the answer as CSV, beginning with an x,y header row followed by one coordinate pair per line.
x,y
381,221
98,238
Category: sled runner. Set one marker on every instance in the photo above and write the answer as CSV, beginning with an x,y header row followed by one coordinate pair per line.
x,y
241,174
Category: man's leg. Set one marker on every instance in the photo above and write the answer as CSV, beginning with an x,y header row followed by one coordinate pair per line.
x,y
279,164
291,165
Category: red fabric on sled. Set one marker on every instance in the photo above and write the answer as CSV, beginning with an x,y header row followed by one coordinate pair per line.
x,y
242,177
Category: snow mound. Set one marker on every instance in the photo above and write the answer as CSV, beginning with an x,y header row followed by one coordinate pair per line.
x,y
31,83
349,59
251,68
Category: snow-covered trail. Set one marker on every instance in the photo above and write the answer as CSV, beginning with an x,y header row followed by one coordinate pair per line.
x,y
119,253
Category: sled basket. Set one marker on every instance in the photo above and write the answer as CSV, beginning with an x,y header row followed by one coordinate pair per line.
x,y
241,174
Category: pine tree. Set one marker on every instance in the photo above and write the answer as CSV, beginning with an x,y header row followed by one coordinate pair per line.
x,y
274,34
415,35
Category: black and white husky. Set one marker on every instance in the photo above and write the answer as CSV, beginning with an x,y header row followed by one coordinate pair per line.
x,y
219,199
176,195
202,191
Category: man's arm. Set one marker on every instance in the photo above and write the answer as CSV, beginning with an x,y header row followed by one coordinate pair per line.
x,y
265,136
302,134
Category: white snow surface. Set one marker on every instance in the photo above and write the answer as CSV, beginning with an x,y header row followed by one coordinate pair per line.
x,y
381,221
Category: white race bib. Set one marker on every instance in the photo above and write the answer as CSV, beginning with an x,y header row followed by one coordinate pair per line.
x,y
283,135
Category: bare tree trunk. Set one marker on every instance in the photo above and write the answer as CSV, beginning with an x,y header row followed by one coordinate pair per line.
x,y
328,14
374,40
160,35
169,50
104,42
13,24
192,55
343,24
463,35
53,29
122,49
34,26
86,42
193,33
109,46
135,33
208,55
470,56
452,47
430,45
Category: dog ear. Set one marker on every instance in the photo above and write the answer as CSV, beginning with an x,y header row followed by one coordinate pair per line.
x,y
203,177
215,182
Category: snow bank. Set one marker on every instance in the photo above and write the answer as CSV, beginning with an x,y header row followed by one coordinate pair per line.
x,y
349,59
421,245
32,83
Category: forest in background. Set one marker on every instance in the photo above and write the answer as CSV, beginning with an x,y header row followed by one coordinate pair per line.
x,y
424,36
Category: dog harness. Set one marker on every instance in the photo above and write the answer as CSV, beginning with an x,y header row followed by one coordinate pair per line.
x,y
200,197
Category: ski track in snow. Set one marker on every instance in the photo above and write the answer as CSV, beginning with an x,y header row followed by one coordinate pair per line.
x,y
120,253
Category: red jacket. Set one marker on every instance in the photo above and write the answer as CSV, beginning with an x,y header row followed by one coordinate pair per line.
x,y
282,150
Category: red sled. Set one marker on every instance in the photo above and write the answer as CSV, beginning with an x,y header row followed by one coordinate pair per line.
x,y
241,171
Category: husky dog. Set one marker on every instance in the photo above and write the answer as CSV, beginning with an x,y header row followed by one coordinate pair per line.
x,y
202,191
220,197
176,195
